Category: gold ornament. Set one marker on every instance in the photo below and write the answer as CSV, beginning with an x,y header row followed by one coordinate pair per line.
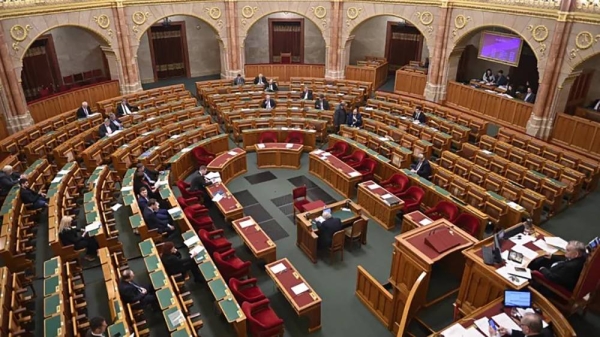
x,y
213,12
539,33
584,40
353,12
139,18
19,33
426,18
320,11
102,20
460,21
248,11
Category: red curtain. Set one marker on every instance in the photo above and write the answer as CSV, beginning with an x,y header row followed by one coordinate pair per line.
x,y
167,46
286,38
37,76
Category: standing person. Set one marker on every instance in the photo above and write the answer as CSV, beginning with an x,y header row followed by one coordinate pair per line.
x,y
339,116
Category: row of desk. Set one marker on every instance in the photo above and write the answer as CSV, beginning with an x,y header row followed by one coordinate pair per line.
x,y
319,127
228,117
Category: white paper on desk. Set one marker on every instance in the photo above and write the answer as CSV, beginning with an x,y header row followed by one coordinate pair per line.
x,y
246,223
64,171
217,197
232,153
556,242
284,128
300,288
383,139
174,210
546,247
456,330
368,108
147,132
175,136
92,227
294,108
425,222
483,324
94,114
472,332
289,146
517,281
317,151
486,152
162,183
176,318
126,188
346,209
278,268
311,131
261,146
373,186
191,241
505,321
213,175
521,239
513,271
116,206
185,149
56,180
354,174
196,250
387,195
326,154
527,253
514,205
323,157
320,219
151,118
246,109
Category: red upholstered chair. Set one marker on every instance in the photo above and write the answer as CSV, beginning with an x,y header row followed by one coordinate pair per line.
x,y
184,188
469,223
246,290
367,168
230,265
263,321
214,241
299,195
295,137
202,156
412,198
355,158
192,203
338,149
396,184
267,137
443,209
199,219
577,300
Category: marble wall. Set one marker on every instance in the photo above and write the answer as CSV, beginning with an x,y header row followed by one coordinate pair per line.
x,y
256,45
203,50
77,50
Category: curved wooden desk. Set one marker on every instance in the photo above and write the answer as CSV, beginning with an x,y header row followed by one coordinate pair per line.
x,y
183,163
250,137
283,123
334,172
369,196
278,155
229,164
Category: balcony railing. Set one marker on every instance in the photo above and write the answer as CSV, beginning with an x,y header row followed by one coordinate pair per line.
x,y
545,4
27,3
590,6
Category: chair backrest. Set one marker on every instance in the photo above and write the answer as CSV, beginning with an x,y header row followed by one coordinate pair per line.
x,y
448,207
590,276
341,146
358,227
182,202
468,223
400,180
299,192
416,191
296,135
370,164
337,242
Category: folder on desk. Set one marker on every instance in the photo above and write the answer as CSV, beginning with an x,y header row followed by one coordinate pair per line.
x,y
442,240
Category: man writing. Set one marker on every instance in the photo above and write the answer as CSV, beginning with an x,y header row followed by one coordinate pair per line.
x,y
327,228
531,326
422,167
321,103
562,270
84,111
268,103
106,129
125,109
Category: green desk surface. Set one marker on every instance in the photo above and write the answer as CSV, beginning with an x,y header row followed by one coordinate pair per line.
x,y
208,270
230,309
423,141
152,263
165,297
91,216
496,195
51,191
343,215
409,172
188,235
441,191
51,305
166,314
176,157
177,215
135,220
51,285
165,192
33,166
536,173
52,326
159,279
90,206
425,181
557,183
118,328
129,198
146,247
201,257
117,306
88,197
51,267
180,333
405,150
218,288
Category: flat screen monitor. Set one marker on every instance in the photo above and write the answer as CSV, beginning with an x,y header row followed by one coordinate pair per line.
x,y
501,48
497,248
517,299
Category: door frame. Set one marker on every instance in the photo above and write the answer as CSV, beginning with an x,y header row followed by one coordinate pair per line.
x,y
388,38
271,21
186,60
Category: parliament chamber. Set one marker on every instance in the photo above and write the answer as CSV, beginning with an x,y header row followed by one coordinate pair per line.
x,y
313,168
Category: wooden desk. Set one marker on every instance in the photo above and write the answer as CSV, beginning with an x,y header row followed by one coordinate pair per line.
x,y
414,220
369,196
229,164
278,155
183,163
285,71
334,172
250,137
228,205
306,304
255,239
306,237
411,82
477,275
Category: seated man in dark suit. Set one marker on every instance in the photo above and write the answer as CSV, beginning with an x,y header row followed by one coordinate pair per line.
x,y
239,80
354,119
97,327
327,228
562,270
29,196
306,93
154,222
531,326
115,122
106,129
595,105
132,292
84,111
501,80
271,86
422,167
125,109
530,96
176,264
150,175
199,183
260,79
268,103
321,103
419,115
144,199
8,179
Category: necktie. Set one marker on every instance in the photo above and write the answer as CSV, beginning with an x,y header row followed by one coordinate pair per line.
x,y
126,109
86,112
418,166
597,106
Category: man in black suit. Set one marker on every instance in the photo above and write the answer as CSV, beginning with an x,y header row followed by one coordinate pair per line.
x,y
268,103
29,196
271,86
125,109
199,183
595,105
422,167
153,221
97,327
530,96
239,80
562,270
531,326
132,292
419,115
84,111
150,175
8,179
307,94
327,228
260,79
115,122
501,80
339,116
321,103
106,129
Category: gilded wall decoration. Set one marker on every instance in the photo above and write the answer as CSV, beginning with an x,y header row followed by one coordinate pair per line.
x,y
247,13
583,41
460,22
215,14
426,19
539,33
352,13
104,22
19,33
320,12
139,18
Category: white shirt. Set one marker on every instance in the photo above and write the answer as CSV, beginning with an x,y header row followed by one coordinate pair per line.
x,y
597,106
116,123
418,166
268,104
108,130
527,96
306,95
260,80
86,112
126,109
148,178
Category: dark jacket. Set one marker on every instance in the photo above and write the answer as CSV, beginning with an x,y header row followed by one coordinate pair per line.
x,y
264,80
175,264
318,104
29,196
121,111
142,203
565,272
103,131
424,170
153,222
116,124
501,80
7,182
273,88
71,237
350,120
129,292
545,333
593,105
530,99
422,117
199,183
339,116
326,230
239,81
81,112
272,101
152,174
304,94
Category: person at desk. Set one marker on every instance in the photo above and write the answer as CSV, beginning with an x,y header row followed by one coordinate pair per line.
x,y
143,201
125,108
531,326
115,122
140,181
530,96
321,103
306,94
239,80
422,167
29,196
97,327
327,228
132,292
425,64
69,235
562,270
501,80
510,91
8,179
595,105
260,79
268,103
150,175
355,119
339,116
488,77
176,264
271,86
84,111
419,115
106,129
154,222
199,183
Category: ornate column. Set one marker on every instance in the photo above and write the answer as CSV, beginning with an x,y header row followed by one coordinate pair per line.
x,y
334,66
131,81
16,113
234,60
435,89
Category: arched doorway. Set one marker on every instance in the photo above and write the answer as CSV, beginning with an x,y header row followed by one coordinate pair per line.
x,y
179,46
63,58
581,90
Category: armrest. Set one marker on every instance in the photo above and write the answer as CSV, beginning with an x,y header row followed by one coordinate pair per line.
x,y
553,287
228,254
248,283
216,234
192,200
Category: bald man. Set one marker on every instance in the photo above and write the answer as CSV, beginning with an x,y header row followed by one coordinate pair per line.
x,y
268,103
84,111
132,292
531,326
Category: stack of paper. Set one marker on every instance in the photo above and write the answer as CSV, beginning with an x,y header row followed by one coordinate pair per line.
x,y
92,227
62,172
503,271
320,219
289,146
483,324
261,146
196,250
425,222
185,149
213,175
527,253
505,321
56,180
373,186
278,268
354,174
521,239
246,223
217,197
317,151
232,153
556,242
299,289
518,271
191,241
455,330
326,154
176,318
115,207
174,211
544,246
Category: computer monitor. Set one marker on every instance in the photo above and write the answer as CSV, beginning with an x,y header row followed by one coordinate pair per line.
x,y
327,210
497,248
517,299
514,231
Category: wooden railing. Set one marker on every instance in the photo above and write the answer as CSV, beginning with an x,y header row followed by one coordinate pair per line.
x,y
285,71
410,83
57,104
578,134
374,296
376,75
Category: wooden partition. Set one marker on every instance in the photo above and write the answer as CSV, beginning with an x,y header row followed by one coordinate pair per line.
x,y
504,111
411,83
578,134
590,114
285,71
376,75
374,296
57,104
